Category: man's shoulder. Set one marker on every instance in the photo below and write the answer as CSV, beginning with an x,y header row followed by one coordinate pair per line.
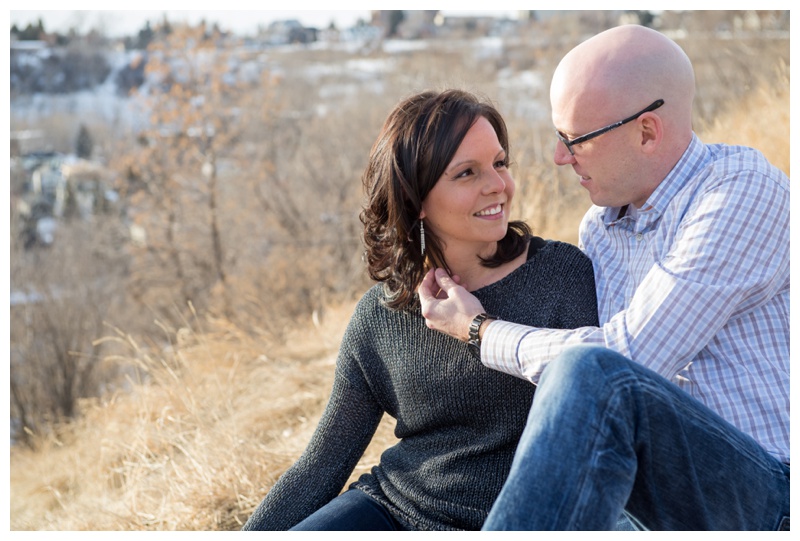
x,y
724,151
729,161
739,175
711,173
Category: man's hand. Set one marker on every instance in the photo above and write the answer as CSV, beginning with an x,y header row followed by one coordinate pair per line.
x,y
446,306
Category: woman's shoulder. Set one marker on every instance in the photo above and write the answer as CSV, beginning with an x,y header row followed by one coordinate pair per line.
x,y
373,305
561,261
373,322
555,250
367,316
372,300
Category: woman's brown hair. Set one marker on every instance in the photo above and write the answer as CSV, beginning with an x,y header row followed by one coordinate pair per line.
x,y
416,144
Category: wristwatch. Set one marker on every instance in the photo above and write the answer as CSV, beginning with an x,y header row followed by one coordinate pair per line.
x,y
474,341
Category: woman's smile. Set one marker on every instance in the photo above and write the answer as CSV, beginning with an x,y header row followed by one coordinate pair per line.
x,y
494,211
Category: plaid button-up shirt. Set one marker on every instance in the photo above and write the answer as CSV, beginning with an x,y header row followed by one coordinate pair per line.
x,y
694,285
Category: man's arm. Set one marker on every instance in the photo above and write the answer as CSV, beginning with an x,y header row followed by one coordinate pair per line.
x,y
727,258
449,308
729,255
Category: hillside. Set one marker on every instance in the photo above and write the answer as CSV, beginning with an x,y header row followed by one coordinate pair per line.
x,y
193,448
222,414
213,409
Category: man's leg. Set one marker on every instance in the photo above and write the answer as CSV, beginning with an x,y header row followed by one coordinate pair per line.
x,y
604,434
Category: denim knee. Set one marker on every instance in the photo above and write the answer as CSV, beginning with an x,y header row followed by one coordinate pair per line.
x,y
585,363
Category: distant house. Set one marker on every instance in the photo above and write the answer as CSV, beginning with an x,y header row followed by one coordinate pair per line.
x,y
406,24
61,187
283,32
28,46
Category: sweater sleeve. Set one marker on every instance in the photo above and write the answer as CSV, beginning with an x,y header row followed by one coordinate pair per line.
x,y
344,432
578,305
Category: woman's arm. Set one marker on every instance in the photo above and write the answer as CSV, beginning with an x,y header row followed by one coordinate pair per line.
x,y
344,432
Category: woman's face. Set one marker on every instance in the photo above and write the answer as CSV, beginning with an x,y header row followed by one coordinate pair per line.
x,y
469,204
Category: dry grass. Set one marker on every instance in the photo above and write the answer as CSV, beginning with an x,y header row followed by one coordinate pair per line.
x,y
194,447
760,120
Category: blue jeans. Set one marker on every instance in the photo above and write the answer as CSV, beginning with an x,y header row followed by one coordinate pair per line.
x,y
606,434
352,510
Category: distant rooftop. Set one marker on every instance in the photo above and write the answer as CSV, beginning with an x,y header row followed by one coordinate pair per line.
x,y
28,45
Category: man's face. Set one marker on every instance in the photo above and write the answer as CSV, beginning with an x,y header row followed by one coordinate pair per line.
x,y
606,165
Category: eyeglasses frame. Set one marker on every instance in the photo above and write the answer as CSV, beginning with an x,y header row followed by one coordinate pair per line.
x,y
592,134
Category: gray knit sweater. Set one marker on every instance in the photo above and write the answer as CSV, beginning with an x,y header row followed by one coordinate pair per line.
x,y
458,422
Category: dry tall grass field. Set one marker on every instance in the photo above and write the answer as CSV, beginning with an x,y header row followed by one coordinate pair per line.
x,y
210,421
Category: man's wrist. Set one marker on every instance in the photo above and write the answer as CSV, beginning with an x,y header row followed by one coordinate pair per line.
x,y
484,324
475,334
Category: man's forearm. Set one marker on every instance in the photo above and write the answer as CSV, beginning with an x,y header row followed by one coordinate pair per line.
x,y
524,351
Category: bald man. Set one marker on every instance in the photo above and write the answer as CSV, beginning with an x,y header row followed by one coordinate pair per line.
x,y
675,409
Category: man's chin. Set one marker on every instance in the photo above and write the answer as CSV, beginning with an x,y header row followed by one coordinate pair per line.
x,y
599,201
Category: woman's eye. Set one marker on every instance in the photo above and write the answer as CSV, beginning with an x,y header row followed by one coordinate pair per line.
x,y
501,164
464,173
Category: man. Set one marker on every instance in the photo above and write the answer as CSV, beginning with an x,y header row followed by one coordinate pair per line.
x,y
677,407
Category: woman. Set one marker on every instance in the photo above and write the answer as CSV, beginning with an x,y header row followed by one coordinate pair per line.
x,y
439,193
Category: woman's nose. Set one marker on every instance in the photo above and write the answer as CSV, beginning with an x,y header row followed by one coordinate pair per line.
x,y
496,182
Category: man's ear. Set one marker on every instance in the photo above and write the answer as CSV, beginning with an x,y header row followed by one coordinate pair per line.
x,y
652,130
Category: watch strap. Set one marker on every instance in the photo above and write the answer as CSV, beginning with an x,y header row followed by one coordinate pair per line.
x,y
474,341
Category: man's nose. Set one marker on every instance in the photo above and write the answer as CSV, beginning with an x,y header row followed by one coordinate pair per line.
x,y
562,155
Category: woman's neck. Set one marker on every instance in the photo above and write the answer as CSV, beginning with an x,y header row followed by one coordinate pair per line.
x,y
472,274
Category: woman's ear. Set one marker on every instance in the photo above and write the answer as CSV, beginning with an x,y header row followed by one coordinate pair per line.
x,y
422,214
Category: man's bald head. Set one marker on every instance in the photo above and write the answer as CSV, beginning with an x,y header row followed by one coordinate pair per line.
x,y
606,79
622,70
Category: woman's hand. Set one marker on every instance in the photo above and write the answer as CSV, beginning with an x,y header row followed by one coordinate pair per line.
x,y
446,306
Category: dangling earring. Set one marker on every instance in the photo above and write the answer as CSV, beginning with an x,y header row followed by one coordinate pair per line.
x,y
422,236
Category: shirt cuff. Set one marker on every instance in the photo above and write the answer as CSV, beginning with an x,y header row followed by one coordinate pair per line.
x,y
500,346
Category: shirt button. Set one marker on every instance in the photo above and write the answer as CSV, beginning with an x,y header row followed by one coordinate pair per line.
x,y
639,236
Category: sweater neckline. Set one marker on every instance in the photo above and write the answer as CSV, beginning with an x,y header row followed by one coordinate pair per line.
x,y
534,246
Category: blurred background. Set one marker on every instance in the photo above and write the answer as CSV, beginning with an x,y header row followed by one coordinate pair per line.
x,y
184,238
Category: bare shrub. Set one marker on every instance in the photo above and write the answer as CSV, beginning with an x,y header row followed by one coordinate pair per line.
x,y
64,295
198,112
232,183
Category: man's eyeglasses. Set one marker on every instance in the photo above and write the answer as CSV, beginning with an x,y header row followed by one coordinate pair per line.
x,y
591,135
